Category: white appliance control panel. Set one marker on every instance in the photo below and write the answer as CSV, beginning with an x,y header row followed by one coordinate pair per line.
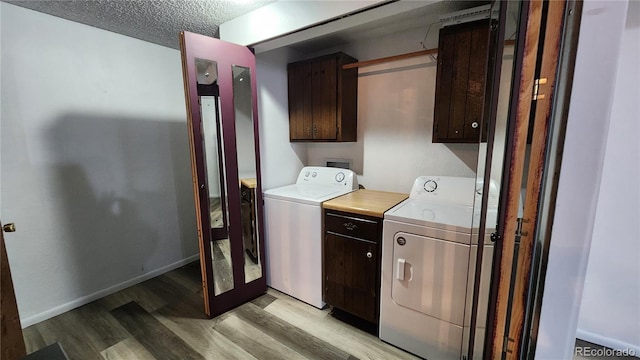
x,y
444,189
452,190
328,176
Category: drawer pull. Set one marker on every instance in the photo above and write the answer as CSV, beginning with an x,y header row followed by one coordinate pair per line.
x,y
369,255
350,226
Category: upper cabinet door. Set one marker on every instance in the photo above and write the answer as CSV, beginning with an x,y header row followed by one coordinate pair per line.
x,y
461,83
323,99
300,112
220,92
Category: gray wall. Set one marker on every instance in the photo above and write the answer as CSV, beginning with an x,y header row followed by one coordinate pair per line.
x,y
95,161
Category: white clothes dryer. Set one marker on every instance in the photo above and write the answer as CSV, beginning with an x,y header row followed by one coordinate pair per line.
x,y
428,264
293,230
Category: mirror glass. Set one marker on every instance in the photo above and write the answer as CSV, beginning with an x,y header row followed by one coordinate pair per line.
x,y
245,145
208,93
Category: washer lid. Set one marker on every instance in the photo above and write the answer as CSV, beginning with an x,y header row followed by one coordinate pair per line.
x,y
306,193
435,215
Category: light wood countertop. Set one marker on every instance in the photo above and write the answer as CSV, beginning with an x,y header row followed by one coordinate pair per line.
x,y
366,202
251,183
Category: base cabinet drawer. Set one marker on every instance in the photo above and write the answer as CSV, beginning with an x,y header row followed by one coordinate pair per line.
x,y
351,225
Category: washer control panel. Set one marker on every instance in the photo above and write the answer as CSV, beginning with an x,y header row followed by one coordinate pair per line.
x,y
328,176
430,185
445,189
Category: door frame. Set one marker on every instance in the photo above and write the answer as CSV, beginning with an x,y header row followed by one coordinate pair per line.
x,y
547,39
12,344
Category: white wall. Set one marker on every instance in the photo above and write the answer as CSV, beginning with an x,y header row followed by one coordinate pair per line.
x,y
280,160
610,309
583,154
95,161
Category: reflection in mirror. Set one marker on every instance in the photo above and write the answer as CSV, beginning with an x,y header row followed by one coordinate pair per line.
x,y
245,146
208,93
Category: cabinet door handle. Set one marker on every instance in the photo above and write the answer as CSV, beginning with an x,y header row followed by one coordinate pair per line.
x,y
369,254
350,226
474,124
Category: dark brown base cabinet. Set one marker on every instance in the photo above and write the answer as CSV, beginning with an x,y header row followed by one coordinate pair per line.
x,y
352,263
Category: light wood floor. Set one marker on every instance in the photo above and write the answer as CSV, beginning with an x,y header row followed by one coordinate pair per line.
x,y
162,318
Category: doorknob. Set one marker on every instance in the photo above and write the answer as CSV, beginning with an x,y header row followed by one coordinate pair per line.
x,y
10,227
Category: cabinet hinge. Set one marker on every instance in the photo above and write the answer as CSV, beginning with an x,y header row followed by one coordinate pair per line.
x,y
536,88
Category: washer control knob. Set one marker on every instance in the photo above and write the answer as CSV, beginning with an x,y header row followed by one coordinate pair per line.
x,y
314,174
306,174
430,186
340,176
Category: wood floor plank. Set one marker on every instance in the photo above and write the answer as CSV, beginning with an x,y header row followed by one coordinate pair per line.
x,y
188,276
100,326
33,339
83,332
170,290
126,350
343,336
155,337
73,339
290,335
167,321
138,293
263,301
254,341
200,335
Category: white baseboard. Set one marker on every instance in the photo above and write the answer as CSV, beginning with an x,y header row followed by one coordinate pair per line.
x,y
607,341
34,319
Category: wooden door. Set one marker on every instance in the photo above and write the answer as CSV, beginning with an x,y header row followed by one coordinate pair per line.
x,y
220,94
11,341
300,111
350,281
460,83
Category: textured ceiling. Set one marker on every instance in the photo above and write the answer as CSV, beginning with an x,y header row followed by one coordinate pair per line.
x,y
156,21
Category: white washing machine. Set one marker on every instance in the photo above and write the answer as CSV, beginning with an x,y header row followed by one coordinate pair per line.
x,y
293,230
428,264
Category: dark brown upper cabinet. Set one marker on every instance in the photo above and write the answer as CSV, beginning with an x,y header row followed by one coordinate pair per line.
x,y
323,98
461,83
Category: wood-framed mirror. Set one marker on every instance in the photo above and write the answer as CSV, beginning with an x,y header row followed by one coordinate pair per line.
x,y
220,94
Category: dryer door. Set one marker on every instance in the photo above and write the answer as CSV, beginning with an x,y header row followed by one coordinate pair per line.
x,y
430,276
